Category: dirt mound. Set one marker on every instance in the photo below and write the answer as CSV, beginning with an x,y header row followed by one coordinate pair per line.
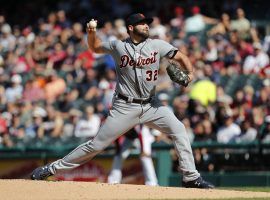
x,y
65,190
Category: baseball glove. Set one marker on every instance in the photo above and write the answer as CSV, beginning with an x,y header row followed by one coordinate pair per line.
x,y
177,74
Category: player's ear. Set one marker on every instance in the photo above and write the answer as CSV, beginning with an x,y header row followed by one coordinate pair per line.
x,y
130,28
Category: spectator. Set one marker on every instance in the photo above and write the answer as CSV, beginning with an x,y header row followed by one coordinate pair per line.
x,y
120,29
3,127
56,57
32,92
106,93
2,20
106,33
229,130
69,100
241,24
265,130
180,106
222,28
2,96
26,119
263,98
197,22
85,60
177,22
266,44
70,124
257,61
54,87
204,91
62,21
248,133
164,99
89,86
38,118
157,29
77,35
14,92
258,114
53,124
16,129
211,54
245,49
89,126
231,60
7,40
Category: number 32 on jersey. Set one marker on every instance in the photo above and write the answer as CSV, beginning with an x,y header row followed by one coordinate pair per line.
x,y
151,75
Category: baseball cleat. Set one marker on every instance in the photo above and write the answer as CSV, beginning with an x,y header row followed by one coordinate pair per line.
x,y
41,173
198,183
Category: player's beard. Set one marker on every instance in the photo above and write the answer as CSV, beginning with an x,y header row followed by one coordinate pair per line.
x,y
143,34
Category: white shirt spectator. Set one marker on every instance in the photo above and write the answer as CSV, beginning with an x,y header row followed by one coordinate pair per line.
x,y
7,40
197,21
226,133
157,29
262,59
15,92
195,24
256,62
266,43
249,64
249,136
87,128
212,52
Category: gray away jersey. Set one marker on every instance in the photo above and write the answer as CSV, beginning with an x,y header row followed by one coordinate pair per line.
x,y
146,56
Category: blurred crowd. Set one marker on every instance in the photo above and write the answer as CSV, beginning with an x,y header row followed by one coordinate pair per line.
x,y
51,85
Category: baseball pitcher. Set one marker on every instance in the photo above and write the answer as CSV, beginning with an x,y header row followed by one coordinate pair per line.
x,y
137,59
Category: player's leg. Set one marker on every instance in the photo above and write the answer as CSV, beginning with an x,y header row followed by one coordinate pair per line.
x,y
146,140
115,175
149,170
112,128
122,117
163,119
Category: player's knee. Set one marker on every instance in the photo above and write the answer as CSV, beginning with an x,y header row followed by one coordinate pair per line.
x,y
96,146
178,127
179,130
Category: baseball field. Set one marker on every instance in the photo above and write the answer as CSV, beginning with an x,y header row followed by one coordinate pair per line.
x,y
65,190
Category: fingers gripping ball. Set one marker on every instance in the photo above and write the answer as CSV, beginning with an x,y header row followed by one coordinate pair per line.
x,y
92,25
178,75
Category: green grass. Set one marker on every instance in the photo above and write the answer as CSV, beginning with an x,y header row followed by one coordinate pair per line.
x,y
237,199
254,189
251,189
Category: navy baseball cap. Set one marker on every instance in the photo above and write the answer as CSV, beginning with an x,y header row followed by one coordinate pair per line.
x,y
137,18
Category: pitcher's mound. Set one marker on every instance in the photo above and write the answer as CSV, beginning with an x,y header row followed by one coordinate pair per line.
x,y
65,190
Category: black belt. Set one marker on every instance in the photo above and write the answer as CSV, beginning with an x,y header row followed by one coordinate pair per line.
x,y
139,101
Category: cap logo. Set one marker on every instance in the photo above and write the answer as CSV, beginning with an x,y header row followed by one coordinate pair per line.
x,y
141,15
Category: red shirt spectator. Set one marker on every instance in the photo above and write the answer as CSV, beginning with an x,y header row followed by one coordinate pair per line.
x,y
33,92
85,59
3,126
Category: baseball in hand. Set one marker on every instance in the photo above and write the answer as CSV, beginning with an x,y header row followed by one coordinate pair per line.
x,y
92,24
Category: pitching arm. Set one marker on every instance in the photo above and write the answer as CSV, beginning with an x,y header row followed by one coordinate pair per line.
x,y
94,43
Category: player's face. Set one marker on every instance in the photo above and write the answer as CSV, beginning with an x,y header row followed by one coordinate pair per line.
x,y
142,30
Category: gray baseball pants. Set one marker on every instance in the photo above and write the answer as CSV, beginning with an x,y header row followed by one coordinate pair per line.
x,y
122,117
